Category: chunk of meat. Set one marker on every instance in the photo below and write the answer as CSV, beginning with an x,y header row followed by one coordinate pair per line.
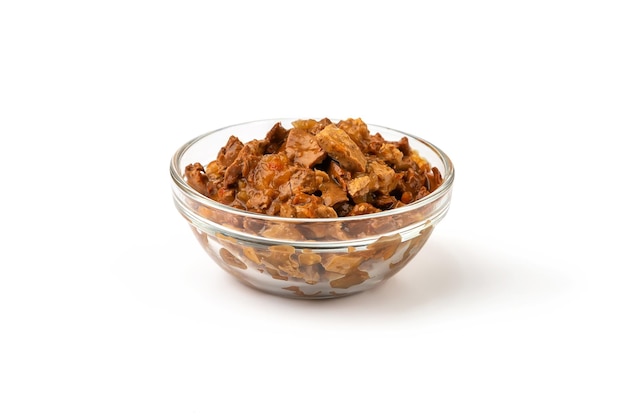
x,y
196,178
229,152
341,148
245,161
363,208
225,195
339,175
302,147
259,201
374,144
311,206
390,154
383,179
332,194
311,125
404,146
275,138
385,202
354,277
268,184
359,187
413,184
271,171
302,180
434,179
358,132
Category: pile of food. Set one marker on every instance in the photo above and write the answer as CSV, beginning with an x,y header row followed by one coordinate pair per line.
x,y
315,169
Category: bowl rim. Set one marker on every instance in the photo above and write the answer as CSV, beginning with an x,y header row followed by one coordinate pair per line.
x,y
181,184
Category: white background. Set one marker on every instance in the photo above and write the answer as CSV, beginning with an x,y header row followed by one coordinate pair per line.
x,y
515,307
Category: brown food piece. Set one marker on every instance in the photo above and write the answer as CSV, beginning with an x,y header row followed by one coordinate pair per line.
x,y
278,231
229,152
386,246
386,202
358,132
275,138
342,148
359,187
298,292
342,264
390,154
363,208
434,179
339,175
307,258
303,180
331,193
245,161
302,148
197,178
383,178
311,125
355,277
311,206
231,259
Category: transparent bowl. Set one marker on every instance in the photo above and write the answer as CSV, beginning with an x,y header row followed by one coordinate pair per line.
x,y
308,258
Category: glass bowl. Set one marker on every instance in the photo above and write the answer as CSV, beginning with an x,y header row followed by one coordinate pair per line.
x,y
302,257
